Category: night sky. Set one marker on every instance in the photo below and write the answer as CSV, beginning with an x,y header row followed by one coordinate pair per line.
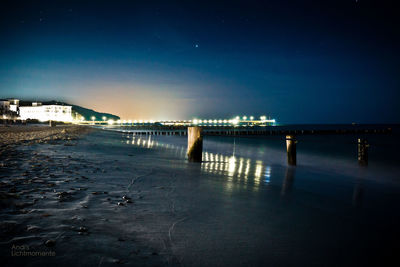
x,y
296,61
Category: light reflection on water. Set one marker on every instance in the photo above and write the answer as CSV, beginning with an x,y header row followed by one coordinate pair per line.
x,y
241,170
237,170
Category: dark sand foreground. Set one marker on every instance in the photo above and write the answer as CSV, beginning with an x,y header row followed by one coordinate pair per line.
x,y
53,211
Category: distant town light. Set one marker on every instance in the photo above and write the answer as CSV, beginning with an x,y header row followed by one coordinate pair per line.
x,y
93,118
244,120
104,118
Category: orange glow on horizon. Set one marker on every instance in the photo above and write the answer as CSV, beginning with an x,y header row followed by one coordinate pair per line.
x,y
134,103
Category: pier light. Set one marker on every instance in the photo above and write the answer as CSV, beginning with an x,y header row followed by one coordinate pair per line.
x,y
244,118
200,121
111,122
140,121
151,121
124,121
210,121
219,121
251,118
135,121
119,121
93,118
273,120
215,121
104,118
237,117
195,121
235,121
225,121
130,121
263,118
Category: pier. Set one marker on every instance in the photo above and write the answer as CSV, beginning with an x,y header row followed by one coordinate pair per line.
x,y
249,131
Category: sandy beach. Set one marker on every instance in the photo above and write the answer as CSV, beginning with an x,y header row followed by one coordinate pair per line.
x,y
16,134
53,209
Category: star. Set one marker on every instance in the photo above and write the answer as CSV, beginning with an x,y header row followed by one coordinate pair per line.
x,y
196,45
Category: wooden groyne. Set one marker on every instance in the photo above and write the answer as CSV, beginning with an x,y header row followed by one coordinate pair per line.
x,y
195,144
195,135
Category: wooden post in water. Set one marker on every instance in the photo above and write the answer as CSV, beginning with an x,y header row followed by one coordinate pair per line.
x,y
195,144
291,149
362,152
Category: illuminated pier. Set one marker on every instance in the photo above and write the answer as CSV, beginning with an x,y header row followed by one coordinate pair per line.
x,y
237,121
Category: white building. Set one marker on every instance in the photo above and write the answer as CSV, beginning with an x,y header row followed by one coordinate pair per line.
x,y
14,105
46,112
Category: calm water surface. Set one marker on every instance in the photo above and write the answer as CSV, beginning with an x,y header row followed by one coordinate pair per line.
x,y
244,206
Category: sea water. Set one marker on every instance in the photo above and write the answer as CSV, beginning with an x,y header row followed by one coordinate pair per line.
x,y
245,206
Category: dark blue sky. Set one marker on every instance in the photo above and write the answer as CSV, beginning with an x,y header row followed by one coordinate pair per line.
x,y
297,61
